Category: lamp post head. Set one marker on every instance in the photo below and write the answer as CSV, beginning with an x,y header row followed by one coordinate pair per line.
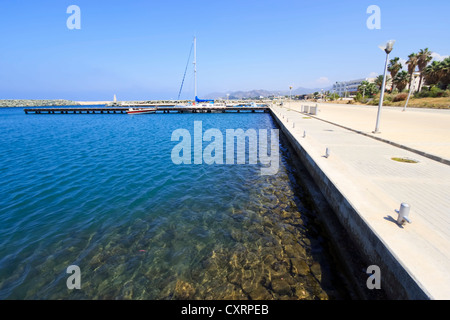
x,y
388,46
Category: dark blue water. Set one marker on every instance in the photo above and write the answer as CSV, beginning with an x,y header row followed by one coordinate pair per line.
x,y
101,192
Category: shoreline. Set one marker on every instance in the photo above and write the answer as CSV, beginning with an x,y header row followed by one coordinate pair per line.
x,y
23,103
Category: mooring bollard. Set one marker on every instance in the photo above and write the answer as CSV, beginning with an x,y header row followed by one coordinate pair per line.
x,y
327,153
403,214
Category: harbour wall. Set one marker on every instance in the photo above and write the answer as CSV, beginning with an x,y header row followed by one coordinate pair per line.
x,y
344,223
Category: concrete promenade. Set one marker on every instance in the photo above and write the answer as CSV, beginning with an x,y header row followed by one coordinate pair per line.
x,y
360,171
426,130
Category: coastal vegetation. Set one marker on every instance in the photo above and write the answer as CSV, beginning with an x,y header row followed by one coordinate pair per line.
x,y
432,91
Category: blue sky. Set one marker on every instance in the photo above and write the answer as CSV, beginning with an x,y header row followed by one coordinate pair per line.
x,y
138,49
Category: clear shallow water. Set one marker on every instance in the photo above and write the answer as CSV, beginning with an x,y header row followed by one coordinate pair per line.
x,y
101,192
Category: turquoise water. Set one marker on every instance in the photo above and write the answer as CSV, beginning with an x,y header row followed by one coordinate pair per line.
x,y
101,192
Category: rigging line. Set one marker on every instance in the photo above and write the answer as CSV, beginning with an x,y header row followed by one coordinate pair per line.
x,y
184,76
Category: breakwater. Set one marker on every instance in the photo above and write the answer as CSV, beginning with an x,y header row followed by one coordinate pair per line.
x,y
36,103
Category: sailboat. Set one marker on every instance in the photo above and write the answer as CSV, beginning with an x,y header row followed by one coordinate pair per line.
x,y
198,102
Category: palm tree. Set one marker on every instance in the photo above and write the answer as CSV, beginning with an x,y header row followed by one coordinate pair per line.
x,y
445,71
379,81
394,67
367,89
438,72
413,59
424,57
401,80
433,73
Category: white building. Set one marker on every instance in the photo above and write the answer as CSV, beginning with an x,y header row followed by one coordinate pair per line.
x,y
348,88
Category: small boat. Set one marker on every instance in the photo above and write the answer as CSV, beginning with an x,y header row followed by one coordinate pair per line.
x,y
141,110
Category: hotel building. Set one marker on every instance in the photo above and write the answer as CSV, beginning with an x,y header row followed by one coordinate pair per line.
x,y
349,88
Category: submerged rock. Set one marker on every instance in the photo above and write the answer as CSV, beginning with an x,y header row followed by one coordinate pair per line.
x,y
183,290
281,287
299,266
316,271
260,293
301,292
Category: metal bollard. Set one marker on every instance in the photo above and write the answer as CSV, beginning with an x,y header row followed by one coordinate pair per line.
x,y
403,214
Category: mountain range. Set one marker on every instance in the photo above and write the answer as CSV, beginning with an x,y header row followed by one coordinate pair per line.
x,y
261,93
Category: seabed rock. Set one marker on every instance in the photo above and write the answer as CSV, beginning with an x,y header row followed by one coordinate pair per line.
x,y
183,290
281,287
260,293
316,271
299,266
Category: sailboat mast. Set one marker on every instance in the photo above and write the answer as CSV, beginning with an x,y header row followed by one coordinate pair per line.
x,y
195,67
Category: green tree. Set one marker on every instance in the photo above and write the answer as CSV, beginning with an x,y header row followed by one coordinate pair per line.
x,y
379,81
424,57
394,67
333,96
438,73
401,80
412,62
367,89
445,72
432,73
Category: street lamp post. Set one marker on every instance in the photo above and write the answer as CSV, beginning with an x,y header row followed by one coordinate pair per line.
x,y
290,95
387,48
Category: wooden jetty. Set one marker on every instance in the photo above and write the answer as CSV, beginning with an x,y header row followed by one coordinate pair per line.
x,y
159,109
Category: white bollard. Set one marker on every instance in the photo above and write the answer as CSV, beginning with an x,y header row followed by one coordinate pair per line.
x,y
403,214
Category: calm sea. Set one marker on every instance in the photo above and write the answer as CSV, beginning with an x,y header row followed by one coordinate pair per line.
x,y
101,192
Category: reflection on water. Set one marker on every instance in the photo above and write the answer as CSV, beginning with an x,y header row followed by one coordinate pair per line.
x,y
143,228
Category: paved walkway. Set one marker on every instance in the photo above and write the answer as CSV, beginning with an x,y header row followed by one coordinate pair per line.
x,y
427,130
362,169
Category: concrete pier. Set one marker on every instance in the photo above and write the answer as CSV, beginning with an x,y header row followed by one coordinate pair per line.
x,y
364,187
158,109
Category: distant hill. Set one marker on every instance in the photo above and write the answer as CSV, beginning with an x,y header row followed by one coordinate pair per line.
x,y
261,93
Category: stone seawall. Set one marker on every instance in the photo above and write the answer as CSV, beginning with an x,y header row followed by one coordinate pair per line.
x,y
36,103
397,282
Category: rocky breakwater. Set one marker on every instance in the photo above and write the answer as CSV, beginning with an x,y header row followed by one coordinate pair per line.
x,y
36,103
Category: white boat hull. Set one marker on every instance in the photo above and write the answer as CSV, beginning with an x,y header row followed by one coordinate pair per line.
x,y
141,111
